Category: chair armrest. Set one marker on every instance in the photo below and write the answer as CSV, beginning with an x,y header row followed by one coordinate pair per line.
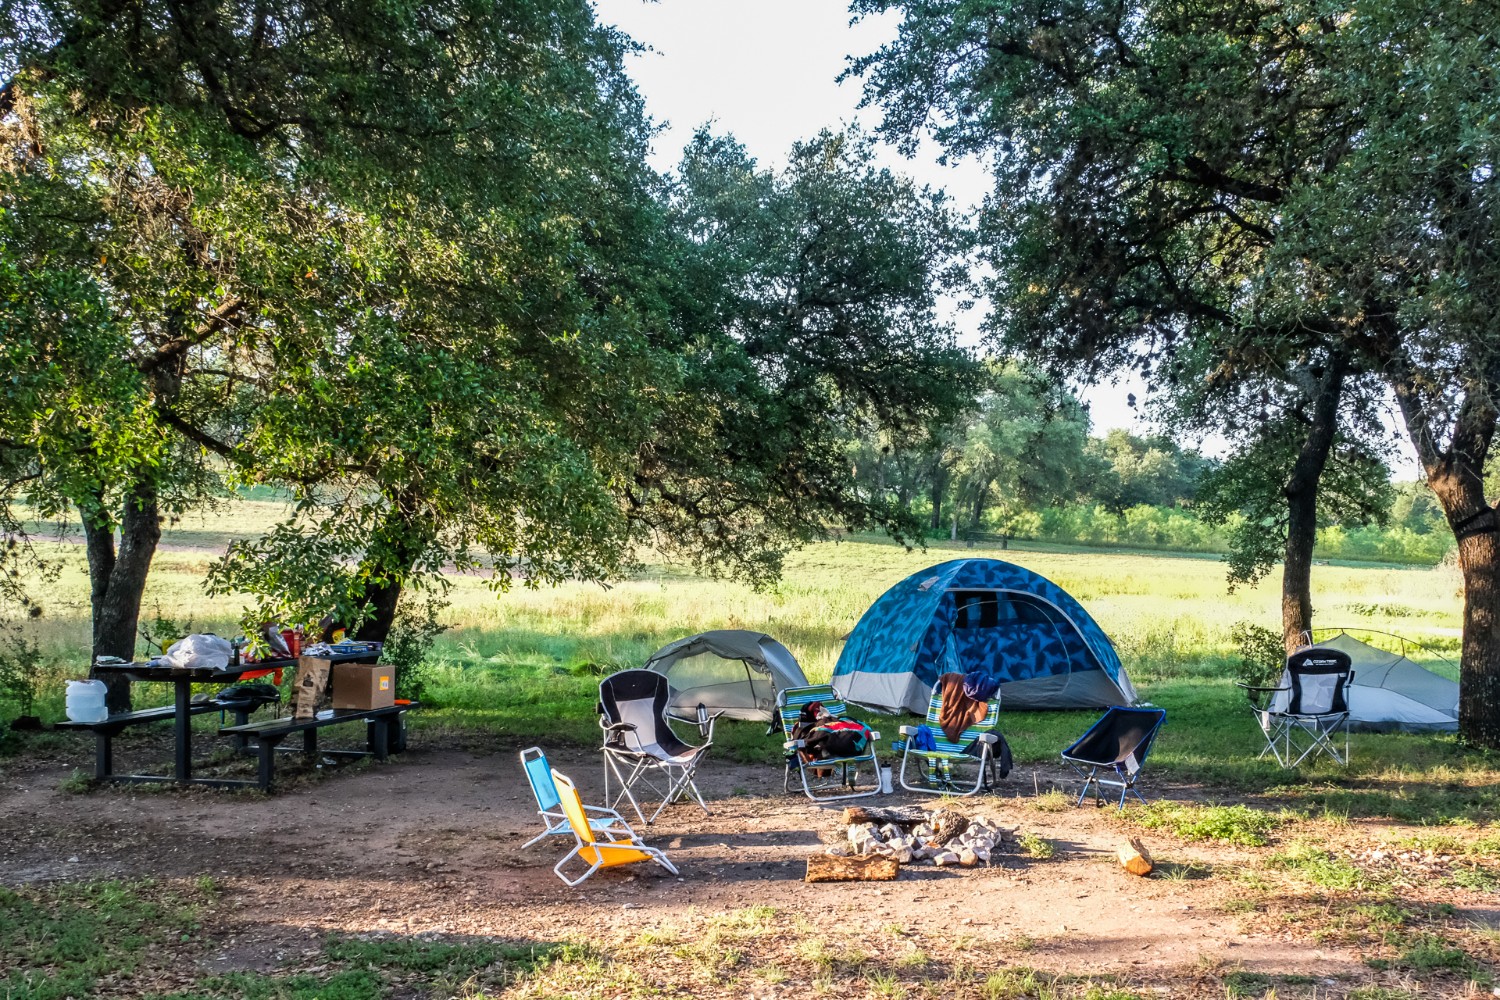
x,y
908,730
613,727
989,738
602,811
794,744
622,835
1266,690
874,735
706,729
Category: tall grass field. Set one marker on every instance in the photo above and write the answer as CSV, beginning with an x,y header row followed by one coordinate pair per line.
x,y
523,664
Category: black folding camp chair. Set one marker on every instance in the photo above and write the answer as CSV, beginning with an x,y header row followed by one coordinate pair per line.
x,y
1301,717
640,748
1117,744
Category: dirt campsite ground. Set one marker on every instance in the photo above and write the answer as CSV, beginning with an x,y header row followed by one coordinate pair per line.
x,y
428,847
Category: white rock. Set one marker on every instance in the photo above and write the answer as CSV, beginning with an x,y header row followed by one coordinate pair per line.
x,y
839,851
903,855
945,858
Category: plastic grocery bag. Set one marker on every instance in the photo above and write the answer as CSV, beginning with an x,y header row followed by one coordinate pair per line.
x,y
200,651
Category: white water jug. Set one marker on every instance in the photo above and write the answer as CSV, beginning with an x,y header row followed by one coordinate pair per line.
x,y
85,701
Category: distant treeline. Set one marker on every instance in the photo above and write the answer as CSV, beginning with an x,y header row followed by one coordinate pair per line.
x,y
1416,533
1022,464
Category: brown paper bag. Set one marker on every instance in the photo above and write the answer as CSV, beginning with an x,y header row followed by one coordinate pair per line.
x,y
310,688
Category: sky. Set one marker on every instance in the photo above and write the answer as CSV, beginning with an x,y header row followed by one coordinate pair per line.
x,y
766,72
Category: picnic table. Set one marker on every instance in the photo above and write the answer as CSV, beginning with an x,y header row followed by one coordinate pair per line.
x,y
181,713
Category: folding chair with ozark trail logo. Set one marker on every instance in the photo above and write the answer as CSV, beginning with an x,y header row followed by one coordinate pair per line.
x,y
1301,717
640,748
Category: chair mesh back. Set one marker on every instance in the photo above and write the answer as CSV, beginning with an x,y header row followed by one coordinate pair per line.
x,y
639,698
1122,737
1318,677
539,776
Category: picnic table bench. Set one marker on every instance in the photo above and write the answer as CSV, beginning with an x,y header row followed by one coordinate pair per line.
x,y
106,731
385,734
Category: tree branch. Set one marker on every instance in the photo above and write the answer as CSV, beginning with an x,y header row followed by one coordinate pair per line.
x,y
201,438
1202,173
217,320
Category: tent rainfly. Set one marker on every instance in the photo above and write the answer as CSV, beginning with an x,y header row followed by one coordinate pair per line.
x,y
980,614
728,670
1391,693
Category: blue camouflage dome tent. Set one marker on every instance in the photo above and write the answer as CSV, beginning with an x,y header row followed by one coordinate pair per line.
x,y
973,614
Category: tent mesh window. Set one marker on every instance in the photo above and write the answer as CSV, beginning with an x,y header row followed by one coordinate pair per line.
x,y
989,608
719,682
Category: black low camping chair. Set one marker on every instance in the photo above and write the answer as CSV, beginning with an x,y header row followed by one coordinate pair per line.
x,y
1301,717
1116,744
640,748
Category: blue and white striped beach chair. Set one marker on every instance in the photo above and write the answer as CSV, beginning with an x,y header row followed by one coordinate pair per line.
x,y
831,778
943,767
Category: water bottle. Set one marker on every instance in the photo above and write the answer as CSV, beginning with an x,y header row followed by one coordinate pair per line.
x,y
85,702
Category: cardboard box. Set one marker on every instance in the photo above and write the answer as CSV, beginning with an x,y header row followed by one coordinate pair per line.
x,y
364,685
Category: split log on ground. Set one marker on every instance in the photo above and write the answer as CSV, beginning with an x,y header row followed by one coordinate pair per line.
x,y
1134,858
869,868
900,815
948,825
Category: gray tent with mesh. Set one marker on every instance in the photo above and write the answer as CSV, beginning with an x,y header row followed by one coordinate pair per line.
x,y
731,671
1390,692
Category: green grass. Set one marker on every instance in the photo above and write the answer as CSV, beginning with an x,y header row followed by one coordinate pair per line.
x,y
1240,983
1236,824
1320,867
1037,847
63,940
347,985
1431,953
59,940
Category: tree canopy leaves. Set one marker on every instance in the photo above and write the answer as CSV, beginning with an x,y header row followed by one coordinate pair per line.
x,y
408,260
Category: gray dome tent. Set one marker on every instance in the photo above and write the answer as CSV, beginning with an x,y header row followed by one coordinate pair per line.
x,y
727,670
1390,692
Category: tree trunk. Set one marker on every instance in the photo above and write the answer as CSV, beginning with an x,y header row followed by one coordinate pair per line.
x,y
380,603
1456,475
1475,526
938,487
117,579
392,553
871,868
976,515
1302,507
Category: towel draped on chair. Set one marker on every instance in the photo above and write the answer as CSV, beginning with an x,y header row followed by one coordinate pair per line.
x,y
959,711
